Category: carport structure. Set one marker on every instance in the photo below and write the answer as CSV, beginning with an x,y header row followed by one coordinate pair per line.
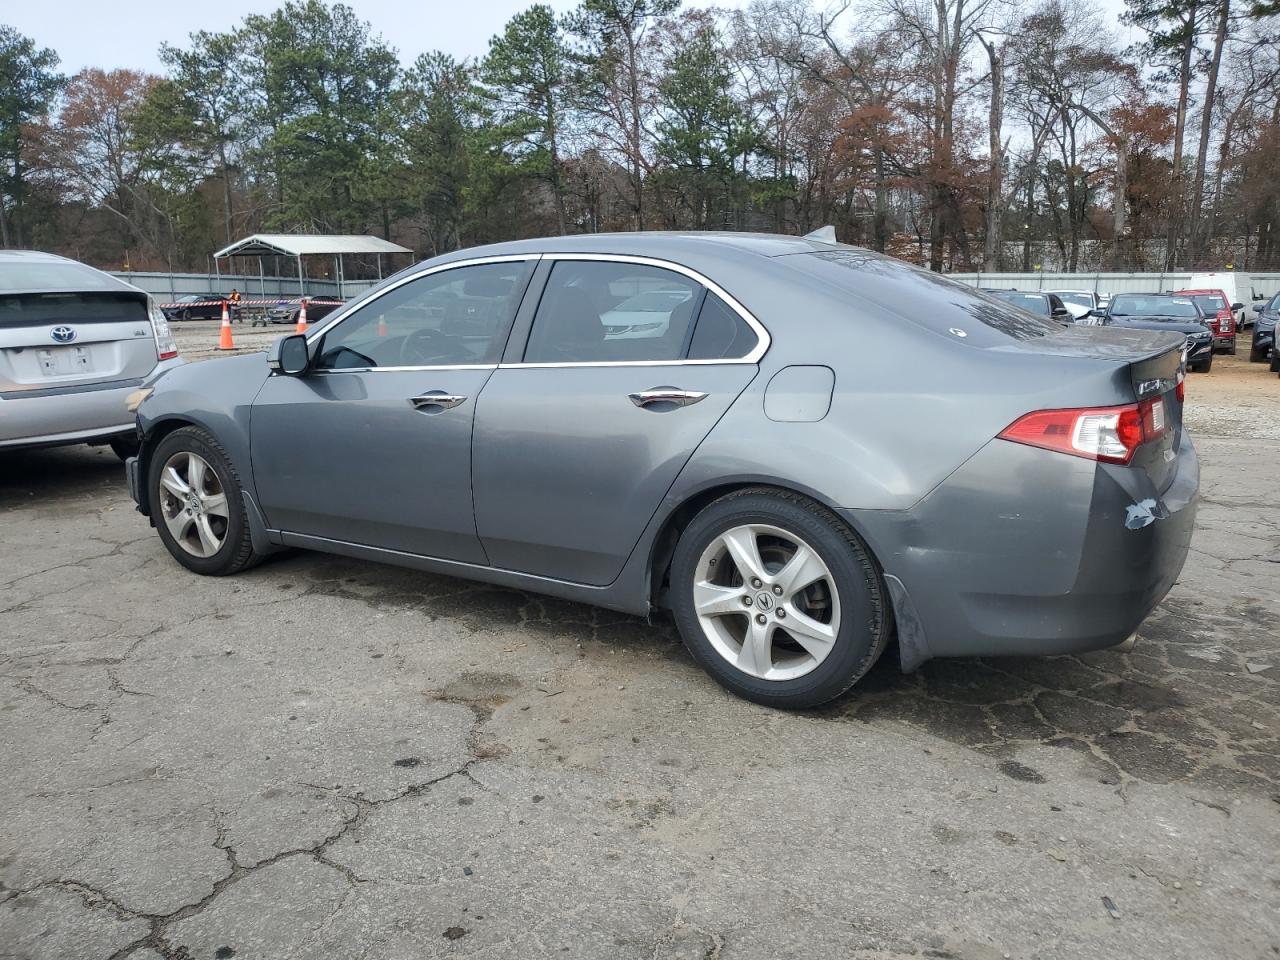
x,y
299,245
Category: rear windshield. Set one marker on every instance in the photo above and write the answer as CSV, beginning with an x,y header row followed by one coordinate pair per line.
x,y
1146,305
44,309
927,299
22,274
1035,302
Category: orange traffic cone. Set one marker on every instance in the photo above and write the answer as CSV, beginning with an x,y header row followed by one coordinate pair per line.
x,y
302,317
382,326
224,341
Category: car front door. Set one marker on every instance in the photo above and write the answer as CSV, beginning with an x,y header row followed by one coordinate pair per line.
x,y
373,445
628,365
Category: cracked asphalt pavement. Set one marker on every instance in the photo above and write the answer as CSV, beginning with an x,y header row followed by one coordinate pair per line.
x,y
325,758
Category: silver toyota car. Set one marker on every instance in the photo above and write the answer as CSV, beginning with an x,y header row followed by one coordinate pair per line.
x,y
74,343
801,449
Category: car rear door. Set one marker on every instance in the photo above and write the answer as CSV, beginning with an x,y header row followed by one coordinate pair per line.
x,y
373,446
627,365
60,341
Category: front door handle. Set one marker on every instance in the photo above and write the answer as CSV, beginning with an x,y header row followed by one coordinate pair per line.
x,y
435,398
666,395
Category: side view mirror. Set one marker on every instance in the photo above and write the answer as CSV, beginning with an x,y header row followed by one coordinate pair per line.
x,y
1237,306
1096,312
1259,307
289,355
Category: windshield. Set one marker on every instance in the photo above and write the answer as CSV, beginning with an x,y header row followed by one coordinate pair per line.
x,y
1153,305
1077,299
1035,302
1210,302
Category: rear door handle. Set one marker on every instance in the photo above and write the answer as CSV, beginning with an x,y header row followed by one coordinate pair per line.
x,y
436,398
664,395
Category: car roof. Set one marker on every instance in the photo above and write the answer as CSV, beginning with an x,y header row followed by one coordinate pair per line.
x,y
68,276
670,245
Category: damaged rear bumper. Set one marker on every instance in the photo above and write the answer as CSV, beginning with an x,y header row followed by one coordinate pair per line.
x,y
1025,551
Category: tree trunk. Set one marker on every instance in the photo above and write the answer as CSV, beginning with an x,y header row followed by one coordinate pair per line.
x,y
1179,130
1206,123
995,173
1120,203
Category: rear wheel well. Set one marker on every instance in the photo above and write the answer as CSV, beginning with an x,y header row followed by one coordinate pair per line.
x,y
664,544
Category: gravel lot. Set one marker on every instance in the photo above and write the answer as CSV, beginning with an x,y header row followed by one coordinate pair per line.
x,y
334,759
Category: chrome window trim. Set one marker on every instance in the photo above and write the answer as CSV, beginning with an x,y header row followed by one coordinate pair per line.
x,y
355,307
763,340
444,366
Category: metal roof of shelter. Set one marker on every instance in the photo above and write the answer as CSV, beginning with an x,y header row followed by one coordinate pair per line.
x,y
302,244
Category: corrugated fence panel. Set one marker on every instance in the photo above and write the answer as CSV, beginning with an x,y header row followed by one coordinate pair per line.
x,y
1247,284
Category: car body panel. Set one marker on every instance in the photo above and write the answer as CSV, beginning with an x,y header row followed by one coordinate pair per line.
x,y
579,493
592,465
399,478
1263,341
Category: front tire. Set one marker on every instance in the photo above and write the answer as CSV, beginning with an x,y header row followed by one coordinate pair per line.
x,y
197,506
777,599
1206,365
1275,360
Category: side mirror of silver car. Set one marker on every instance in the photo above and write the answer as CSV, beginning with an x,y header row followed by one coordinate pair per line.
x,y
289,355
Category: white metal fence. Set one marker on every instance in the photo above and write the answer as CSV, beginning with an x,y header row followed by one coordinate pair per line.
x,y
170,286
1249,286
173,285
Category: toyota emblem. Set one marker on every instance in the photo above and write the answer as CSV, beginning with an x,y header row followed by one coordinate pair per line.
x,y
62,334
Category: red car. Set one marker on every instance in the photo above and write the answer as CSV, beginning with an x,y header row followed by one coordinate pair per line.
x,y
1215,304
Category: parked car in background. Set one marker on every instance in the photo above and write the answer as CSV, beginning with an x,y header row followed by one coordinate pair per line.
x,y
1023,487
1080,302
1165,311
1229,284
1045,304
1263,344
74,343
286,311
196,306
1221,314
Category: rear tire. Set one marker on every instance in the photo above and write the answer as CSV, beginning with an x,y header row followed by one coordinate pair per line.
x,y
197,506
1231,350
1275,360
835,617
1257,356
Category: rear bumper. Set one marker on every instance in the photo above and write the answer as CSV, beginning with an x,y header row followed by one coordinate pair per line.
x,y
70,415
1025,551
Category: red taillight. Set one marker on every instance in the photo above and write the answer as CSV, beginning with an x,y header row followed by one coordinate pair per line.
x,y
1182,387
1108,434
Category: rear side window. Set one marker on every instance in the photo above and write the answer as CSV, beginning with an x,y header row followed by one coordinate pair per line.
x,y
47,309
596,311
721,334
922,298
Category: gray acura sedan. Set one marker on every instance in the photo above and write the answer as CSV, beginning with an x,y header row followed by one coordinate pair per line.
x,y
801,449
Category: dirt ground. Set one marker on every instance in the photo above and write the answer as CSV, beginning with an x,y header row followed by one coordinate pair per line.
x,y
324,758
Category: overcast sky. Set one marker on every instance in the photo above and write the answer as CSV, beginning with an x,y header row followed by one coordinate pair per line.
x,y
128,33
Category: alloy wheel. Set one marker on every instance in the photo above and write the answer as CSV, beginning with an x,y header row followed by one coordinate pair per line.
x,y
766,602
193,504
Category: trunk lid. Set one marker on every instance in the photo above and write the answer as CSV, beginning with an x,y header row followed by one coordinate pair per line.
x,y
1149,363
66,339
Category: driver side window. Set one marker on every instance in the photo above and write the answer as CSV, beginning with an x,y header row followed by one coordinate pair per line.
x,y
453,317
